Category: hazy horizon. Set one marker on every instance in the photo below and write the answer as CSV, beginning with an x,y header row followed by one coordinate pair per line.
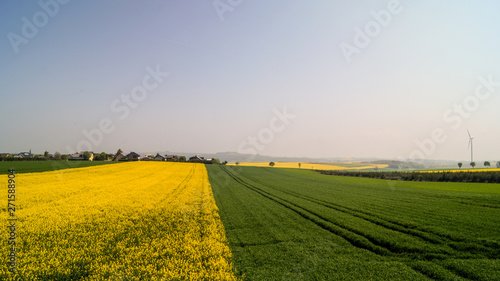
x,y
323,79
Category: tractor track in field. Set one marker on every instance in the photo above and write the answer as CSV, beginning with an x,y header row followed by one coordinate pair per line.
x,y
358,239
177,190
487,249
360,242
354,237
380,221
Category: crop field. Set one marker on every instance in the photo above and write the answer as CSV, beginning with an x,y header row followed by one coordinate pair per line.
x,y
291,224
315,166
130,221
44,166
461,170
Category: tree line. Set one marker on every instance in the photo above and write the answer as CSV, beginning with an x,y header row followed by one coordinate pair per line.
x,y
103,156
473,164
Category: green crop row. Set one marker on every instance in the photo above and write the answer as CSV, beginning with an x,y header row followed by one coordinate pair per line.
x,y
292,224
44,166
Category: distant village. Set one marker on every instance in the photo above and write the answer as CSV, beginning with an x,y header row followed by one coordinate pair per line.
x,y
103,156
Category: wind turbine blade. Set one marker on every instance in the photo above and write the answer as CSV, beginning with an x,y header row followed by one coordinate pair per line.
x,y
468,134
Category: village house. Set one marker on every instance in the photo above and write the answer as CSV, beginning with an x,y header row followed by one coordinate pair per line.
x,y
172,158
196,158
160,157
81,156
148,157
22,155
120,157
26,154
132,156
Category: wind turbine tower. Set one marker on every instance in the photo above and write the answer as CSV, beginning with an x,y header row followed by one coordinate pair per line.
x,y
471,148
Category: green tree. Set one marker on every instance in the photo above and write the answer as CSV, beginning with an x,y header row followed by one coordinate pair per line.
x,y
472,164
57,156
487,163
300,164
271,164
460,165
101,156
236,163
46,154
182,159
118,152
215,161
87,155
65,157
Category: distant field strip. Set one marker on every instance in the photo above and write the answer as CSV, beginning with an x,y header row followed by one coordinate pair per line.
x,y
312,166
462,170
353,230
130,221
465,178
44,166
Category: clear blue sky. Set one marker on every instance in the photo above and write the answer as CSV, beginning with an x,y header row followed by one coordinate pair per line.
x,y
65,67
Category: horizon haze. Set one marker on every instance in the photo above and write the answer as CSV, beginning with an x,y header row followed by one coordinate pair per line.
x,y
323,79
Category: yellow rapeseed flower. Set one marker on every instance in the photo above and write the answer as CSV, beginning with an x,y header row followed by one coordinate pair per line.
x,y
311,166
130,221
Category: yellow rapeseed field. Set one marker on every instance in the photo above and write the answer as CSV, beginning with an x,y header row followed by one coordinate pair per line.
x,y
130,221
312,166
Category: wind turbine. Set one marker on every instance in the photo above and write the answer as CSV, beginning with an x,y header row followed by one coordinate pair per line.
x,y
470,145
